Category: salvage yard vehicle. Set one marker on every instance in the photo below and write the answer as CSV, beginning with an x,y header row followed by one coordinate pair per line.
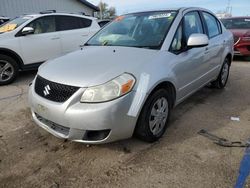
x,y
30,40
240,27
130,75
3,19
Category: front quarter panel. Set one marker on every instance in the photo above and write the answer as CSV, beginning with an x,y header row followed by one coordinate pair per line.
x,y
149,77
8,41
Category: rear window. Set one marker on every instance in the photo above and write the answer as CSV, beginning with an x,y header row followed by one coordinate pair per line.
x,y
212,25
70,23
237,23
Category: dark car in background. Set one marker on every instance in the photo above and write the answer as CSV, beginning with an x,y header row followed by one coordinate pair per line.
x,y
3,19
240,27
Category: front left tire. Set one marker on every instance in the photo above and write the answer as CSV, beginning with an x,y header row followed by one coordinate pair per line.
x,y
8,70
153,120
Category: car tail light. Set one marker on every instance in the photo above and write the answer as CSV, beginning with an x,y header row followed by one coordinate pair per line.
x,y
245,38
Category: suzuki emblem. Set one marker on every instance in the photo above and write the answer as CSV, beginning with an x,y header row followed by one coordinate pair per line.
x,y
46,90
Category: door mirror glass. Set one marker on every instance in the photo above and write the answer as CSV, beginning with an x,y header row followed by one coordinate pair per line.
x,y
197,40
27,31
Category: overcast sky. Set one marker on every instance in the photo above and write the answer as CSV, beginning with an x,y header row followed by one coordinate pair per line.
x,y
240,7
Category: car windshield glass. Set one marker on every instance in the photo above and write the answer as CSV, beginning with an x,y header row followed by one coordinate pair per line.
x,y
142,30
237,23
13,24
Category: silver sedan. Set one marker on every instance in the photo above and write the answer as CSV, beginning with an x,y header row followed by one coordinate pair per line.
x,y
127,78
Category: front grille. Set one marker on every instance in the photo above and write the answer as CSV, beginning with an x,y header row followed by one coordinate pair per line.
x,y
53,91
58,128
236,39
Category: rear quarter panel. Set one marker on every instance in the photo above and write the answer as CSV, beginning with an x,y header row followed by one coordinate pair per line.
x,y
228,44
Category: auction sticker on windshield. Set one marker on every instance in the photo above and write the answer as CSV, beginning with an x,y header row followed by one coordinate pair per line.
x,y
158,16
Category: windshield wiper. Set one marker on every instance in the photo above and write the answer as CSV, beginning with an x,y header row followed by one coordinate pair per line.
x,y
105,43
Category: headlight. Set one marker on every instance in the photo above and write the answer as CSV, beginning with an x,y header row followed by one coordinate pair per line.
x,y
113,89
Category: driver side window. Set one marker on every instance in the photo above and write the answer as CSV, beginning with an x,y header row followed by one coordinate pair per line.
x,y
43,25
190,24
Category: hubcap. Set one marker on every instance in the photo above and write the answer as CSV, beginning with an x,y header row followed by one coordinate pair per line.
x,y
158,116
224,74
6,71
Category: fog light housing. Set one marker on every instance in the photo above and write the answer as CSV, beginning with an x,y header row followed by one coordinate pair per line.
x,y
96,135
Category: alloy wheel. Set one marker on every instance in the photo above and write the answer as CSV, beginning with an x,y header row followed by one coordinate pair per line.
x,y
158,116
6,71
224,74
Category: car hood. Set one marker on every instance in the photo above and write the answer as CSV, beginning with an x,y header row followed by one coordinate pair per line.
x,y
5,34
95,65
240,32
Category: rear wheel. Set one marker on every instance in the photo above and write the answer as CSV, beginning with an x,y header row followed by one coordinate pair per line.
x,y
222,79
8,70
152,122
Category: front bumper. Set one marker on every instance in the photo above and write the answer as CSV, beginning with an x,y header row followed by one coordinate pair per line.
x,y
73,120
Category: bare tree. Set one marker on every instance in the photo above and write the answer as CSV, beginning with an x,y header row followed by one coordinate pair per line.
x,y
106,12
112,12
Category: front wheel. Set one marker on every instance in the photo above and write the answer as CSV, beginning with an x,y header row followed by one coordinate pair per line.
x,y
8,70
222,79
152,122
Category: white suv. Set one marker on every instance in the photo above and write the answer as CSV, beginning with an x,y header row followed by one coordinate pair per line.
x,y
28,41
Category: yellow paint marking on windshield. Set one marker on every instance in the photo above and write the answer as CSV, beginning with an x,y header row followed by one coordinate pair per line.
x,y
7,27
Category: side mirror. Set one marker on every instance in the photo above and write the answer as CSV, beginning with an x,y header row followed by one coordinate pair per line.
x,y
197,40
27,31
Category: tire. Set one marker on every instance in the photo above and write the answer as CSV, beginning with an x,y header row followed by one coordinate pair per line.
x,y
8,70
222,79
149,115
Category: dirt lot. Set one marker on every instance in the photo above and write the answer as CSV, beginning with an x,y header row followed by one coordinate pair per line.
x,y
31,157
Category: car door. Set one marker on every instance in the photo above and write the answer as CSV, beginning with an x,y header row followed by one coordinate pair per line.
x,y
74,32
44,44
215,47
191,64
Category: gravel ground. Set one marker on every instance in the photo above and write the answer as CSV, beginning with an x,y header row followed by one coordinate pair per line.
x,y
31,157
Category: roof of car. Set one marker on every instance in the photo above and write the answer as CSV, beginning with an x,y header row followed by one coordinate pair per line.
x,y
236,17
3,17
61,14
182,9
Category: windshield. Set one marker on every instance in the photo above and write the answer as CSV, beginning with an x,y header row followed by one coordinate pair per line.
x,y
142,30
13,24
237,23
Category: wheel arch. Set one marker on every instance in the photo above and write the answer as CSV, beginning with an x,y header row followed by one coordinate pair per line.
x,y
229,56
12,54
169,86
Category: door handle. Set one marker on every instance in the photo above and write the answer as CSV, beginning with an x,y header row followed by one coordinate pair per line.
x,y
55,38
206,50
